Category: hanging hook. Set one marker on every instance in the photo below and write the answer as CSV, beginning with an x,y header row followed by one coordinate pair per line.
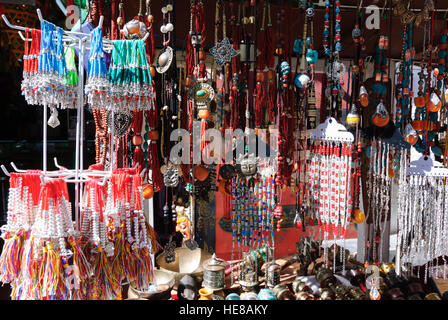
x,y
5,170
13,165
39,15
22,36
57,164
12,26
104,181
100,24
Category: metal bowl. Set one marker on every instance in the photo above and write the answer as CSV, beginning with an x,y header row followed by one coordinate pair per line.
x,y
162,278
187,262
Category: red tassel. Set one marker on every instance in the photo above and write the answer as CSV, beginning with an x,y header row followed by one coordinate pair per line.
x,y
139,158
259,99
269,47
271,101
153,159
189,55
261,42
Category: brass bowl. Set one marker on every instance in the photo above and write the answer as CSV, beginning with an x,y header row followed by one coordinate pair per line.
x,y
187,262
162,279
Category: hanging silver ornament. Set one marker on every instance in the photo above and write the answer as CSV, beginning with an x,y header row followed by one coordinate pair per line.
x,y
223,52
134,29
164,59
335,70
53,121
202,93
121,123
170,175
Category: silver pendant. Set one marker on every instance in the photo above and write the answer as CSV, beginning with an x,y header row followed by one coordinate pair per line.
x,y
53,121
122,122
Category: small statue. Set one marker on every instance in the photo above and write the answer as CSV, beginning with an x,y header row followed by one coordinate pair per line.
x,y
183,225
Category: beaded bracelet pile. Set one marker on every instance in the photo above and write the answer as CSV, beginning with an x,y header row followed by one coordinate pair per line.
x,y
30,65
97,84
46,256
130,85
51,79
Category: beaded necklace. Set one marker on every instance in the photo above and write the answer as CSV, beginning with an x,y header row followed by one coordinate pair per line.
x,y
422,219
403,92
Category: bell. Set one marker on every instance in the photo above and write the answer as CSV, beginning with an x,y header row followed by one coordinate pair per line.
x,y
187,288
214,273
434,104
352,117
381,116
363,97
53,121
410,135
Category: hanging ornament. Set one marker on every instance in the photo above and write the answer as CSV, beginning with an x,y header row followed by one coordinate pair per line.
x,y
170,175
301,81
247,164
353,117
381,117
363,97
434,103
164,59
53,121
223,52
148,191
410,135
335,70
134,29
121,122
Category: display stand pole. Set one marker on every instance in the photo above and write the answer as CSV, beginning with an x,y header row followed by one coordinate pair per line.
x,y
78,132
45,139
81,117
